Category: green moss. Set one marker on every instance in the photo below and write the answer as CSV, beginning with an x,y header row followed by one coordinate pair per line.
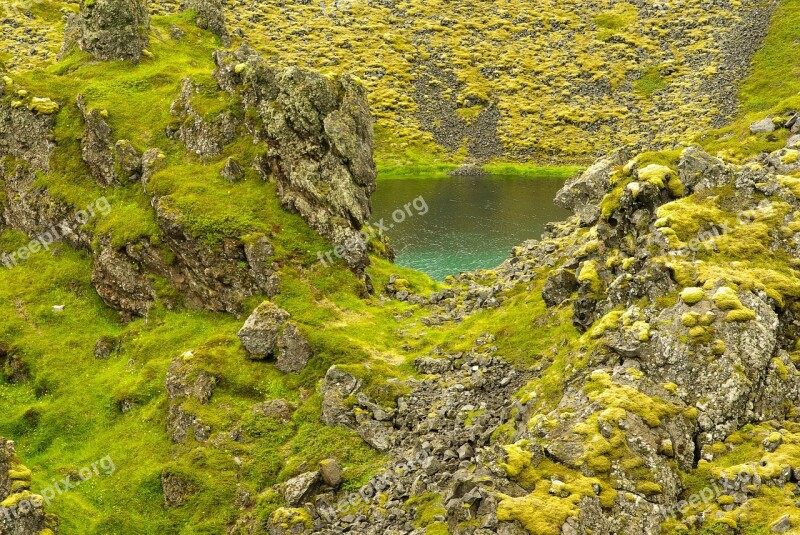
x,y
692,295
603,390
588,273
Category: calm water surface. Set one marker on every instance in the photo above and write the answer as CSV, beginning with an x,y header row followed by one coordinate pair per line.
x,y
471,222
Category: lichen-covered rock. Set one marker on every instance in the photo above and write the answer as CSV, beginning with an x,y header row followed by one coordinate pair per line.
x,y
177,488
210,16
201,136
120,283
187,379
259,334
268,332
21,511
336,387
232,171
582,193
293,350
298,489
320,139
114,29
279,409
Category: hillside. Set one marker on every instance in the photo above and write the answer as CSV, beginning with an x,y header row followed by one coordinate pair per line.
x,y
551,82
178,354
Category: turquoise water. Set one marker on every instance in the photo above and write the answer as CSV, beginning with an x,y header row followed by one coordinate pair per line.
x,y
443,226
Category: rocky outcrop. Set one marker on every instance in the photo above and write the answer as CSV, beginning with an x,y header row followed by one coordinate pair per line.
x,y
186,380
203,137
109,162
21,511
114,29
268,332
318,131
210,16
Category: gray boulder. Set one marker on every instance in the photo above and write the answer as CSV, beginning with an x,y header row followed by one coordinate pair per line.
x,y
293,350
267,332
114,29
259,334
763,126
298,489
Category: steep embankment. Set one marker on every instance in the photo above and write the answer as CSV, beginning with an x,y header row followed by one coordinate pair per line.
x,y
556,81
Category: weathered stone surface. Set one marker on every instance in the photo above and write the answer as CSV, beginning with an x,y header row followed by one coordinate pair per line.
x,y
210,16
232,171
293,350
114,29
178,488
203,137
120,283
337,386
320,139
25,513
279,409
268,332
187,379
559,286
699,171
764,126
331,472
259,334
582,193
298,489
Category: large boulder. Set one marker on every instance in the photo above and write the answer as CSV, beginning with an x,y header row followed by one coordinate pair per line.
x,y
268,332
582,193
114,29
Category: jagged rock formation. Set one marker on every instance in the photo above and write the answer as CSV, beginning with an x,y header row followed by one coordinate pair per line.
x,y
114,29
320,140
186,382
21,511
201,137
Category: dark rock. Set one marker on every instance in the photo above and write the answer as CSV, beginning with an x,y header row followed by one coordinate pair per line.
x,y
559,285
177,488
232,171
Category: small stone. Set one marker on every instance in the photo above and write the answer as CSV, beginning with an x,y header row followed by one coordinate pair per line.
x,y
763,126
300,488
782,525
232,171
331,472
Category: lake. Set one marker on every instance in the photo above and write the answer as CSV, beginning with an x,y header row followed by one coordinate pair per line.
x,y
443,226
